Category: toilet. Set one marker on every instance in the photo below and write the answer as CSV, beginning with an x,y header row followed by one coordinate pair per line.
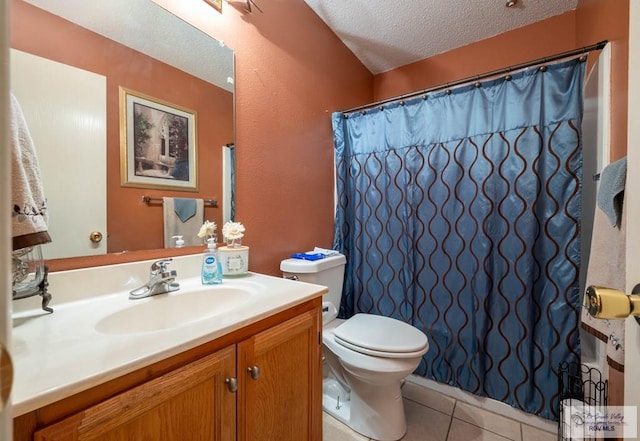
x,y
365,358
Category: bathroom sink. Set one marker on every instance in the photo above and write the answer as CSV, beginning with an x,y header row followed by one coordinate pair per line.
x,y
167,311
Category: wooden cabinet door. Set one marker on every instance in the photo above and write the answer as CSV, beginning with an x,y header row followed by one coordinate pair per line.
x,y
279,376
191,403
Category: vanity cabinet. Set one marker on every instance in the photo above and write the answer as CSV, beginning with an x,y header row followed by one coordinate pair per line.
x,y
262,382
280,373
191,400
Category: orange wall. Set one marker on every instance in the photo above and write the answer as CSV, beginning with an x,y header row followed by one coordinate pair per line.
x,y
292,72
131,224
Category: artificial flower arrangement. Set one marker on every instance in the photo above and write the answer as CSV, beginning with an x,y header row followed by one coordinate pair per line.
x,y
208,231
234,256
233,233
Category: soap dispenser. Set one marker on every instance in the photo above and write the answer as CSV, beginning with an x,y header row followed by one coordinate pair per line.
x,y
211,266
179,241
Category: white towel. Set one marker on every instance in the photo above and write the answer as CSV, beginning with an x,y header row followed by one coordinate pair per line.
x,y
173,225
29,206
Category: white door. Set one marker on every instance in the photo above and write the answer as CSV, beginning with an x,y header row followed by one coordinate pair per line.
x,y
632,331
65,109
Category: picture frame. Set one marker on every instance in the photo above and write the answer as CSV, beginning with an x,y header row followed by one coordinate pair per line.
x,y
217,4
158,145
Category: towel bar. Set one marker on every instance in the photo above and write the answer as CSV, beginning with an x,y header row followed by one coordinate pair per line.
x,y
148,200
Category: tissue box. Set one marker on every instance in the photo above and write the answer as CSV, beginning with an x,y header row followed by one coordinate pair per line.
x,y
234,260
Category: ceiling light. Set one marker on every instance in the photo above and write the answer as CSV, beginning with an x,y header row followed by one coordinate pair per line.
x,y
511,3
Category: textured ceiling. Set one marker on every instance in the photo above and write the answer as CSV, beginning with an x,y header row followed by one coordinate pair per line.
x,y
385,34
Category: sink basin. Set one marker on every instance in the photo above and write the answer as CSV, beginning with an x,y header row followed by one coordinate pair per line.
x,y
166,311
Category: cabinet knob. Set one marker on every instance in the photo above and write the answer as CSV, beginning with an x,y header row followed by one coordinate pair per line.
x,y
232,384
254,371
6,376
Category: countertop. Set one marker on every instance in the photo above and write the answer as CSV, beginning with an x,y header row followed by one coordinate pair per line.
x,y
60,354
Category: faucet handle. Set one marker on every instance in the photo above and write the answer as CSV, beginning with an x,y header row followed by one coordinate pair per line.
x,y
160,266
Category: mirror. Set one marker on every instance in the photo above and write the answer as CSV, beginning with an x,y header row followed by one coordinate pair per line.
x,y
97,49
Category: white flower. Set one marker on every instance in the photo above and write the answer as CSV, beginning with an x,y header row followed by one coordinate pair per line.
x,y
233,231
208,229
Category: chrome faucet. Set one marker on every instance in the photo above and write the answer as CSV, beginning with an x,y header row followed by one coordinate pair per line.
x,y
160,281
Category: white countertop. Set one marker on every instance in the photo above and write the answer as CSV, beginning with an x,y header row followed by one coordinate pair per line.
x,y
60,354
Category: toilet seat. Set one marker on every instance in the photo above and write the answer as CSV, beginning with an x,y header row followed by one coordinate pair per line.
x,y
380,336
357,360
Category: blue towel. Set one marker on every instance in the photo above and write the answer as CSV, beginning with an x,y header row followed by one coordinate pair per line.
x,y
611,190
185,208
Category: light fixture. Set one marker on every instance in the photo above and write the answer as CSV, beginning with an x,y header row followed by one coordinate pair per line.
x,y
511,3
249,3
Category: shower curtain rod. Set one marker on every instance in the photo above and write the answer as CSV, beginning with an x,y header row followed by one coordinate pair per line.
x,y
582,50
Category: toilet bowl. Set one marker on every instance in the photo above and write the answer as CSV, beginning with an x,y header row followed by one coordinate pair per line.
x,y
366,357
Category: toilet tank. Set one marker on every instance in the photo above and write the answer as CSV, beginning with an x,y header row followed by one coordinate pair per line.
x,y
328,272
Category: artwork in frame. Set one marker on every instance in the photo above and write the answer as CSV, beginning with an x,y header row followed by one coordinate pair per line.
x,y
216,4
158,146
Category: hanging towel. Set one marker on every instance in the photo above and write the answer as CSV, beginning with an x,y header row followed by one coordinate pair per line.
x,y
174,226
611,190
29,206
606,268
185,208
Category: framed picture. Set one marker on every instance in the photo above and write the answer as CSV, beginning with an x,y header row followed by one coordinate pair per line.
x,y
158,147
216,4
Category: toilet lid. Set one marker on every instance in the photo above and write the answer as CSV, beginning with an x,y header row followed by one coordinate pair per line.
x,y
381,336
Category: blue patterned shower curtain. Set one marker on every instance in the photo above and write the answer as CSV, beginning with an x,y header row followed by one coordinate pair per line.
x,y
459,214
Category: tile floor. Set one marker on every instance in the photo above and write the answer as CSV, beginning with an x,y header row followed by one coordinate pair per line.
x,y
432,416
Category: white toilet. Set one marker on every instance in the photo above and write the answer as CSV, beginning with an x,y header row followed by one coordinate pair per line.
x,y
366,357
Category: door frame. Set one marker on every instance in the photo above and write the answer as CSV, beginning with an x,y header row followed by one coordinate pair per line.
x,y
6,430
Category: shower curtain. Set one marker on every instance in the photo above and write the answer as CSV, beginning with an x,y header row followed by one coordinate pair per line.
x,y
458,213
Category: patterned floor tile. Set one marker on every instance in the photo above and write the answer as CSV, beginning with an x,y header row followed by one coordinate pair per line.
x,y
463,431
428,397
495,423
424,423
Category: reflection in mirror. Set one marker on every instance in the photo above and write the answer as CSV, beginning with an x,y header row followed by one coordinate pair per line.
x,y
69,59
